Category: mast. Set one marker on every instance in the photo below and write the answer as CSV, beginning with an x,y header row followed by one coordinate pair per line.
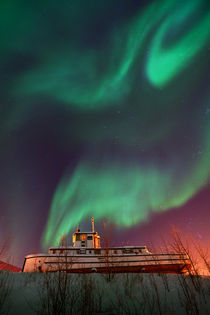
x,y
92,220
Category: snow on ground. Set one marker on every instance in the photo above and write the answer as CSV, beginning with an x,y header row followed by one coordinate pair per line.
x,y
58,293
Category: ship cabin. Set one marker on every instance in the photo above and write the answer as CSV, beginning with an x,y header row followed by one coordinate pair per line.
x,y
86,239
89,243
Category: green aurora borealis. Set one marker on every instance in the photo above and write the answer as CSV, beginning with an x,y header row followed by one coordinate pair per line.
x,y
126,193
75,78
110,99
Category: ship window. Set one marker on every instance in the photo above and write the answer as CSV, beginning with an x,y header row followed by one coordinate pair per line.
x,y
97,251
90,252
54,251
127,251
83,245
77,237
115,251
61,251
89,237
83,236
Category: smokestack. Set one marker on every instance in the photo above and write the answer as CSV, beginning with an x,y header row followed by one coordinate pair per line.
x,y
93,229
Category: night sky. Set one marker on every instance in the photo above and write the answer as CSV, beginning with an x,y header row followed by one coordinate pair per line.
x,y
104,112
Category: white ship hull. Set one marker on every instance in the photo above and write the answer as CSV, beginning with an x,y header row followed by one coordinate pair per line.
x,y
121,263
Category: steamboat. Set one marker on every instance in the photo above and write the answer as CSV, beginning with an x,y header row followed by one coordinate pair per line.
x,y
86,256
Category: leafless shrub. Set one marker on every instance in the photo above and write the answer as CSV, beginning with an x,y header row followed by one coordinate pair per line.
x,y
5,291
123,294
192,291
106,237
91,295
63,293
203,255
126,294
57,294
148,298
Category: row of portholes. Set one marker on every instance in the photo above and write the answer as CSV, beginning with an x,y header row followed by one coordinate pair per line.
x,y
125,251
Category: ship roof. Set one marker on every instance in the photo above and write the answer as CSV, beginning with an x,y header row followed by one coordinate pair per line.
x,y
91,232
118,247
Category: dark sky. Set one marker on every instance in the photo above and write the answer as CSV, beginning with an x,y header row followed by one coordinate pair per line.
x,y
105,112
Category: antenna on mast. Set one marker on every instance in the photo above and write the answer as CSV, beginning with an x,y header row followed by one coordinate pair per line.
x,y
92,220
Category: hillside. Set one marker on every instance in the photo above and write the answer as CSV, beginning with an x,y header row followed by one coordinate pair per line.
x,y
61,293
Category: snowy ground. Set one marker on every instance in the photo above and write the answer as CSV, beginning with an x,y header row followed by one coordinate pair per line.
x,y
103,294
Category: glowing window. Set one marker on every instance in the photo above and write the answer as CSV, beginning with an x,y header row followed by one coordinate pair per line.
x,y
83,237
54,251
77,237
